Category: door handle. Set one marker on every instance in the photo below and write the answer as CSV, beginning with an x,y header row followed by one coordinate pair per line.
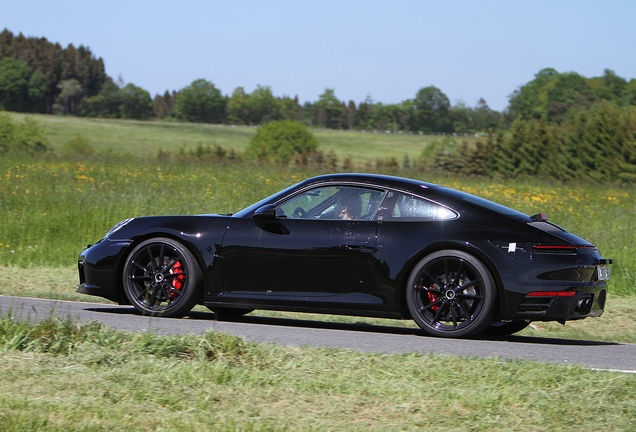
x,y
354,245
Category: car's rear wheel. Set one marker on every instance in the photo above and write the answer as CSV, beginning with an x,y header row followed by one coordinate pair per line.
x,y
162,278
451,293
505,328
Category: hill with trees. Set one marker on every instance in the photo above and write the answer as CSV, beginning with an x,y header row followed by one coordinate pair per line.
x,y
560,124
40,76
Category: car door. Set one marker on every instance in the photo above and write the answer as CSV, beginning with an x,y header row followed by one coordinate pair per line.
x,y
317,246
406,224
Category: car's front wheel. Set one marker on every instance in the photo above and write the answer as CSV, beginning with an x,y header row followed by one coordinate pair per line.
x,y
451,293
162,278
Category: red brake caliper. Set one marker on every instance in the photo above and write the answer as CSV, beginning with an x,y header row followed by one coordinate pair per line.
x,y
433,297
177,282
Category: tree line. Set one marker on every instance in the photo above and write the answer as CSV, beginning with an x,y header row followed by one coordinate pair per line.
x,y
39,76
42,77
596,143
560,124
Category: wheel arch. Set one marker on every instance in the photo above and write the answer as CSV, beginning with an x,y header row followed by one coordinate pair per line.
x,y
192,248
454,245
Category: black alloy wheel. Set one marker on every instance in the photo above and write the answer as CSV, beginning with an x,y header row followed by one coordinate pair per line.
x,y
451,293
162,278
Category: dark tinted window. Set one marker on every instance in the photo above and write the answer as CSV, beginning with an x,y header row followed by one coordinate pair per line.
x,y
332,202
403,206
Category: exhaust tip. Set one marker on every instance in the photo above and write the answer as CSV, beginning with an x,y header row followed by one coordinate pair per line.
x,y
584,305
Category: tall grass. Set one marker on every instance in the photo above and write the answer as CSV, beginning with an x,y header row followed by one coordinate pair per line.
x,y
52,206
63,376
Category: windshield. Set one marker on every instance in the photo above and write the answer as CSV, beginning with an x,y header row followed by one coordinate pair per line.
x,y
261,203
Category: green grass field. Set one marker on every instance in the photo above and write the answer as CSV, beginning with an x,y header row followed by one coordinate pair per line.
x,y
68,376
52,205
148,138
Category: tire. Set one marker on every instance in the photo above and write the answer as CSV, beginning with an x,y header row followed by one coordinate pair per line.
x,y
451,293
505,328
162,278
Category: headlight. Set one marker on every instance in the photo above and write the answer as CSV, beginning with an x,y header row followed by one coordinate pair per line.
x,y
117,227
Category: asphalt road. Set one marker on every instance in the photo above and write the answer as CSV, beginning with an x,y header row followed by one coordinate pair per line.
x,y
591,354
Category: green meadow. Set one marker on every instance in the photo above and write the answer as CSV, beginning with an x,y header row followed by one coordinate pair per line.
x,y
148,138
54,204
60,375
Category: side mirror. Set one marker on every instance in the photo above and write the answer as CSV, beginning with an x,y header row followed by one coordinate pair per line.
x,y
265,218
265,213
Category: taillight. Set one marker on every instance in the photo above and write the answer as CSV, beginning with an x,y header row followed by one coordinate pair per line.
x,y
559,249
551,294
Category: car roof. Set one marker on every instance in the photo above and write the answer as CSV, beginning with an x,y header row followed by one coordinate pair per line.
x,y
448,196
382,181
371,179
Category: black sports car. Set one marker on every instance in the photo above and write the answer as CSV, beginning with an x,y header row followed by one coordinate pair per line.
x,y
356,244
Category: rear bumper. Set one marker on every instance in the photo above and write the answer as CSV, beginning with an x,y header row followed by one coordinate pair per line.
x,y
583,303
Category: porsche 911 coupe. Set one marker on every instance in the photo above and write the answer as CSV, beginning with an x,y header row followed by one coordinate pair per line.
x,y
356,244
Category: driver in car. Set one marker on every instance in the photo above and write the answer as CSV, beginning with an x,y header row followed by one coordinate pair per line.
x,y
349,208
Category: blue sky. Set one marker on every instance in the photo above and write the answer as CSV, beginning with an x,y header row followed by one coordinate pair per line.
x,y
387,50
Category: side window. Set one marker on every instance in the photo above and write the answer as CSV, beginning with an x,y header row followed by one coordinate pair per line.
x,y
313,200
403,206
333,203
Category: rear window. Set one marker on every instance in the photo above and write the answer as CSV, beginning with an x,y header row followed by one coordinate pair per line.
x,y
403,206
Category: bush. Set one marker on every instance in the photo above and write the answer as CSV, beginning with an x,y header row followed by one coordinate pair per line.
x,y
279,141
26,137
78,146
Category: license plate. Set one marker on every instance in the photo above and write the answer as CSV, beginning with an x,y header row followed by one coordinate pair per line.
x,y
603,273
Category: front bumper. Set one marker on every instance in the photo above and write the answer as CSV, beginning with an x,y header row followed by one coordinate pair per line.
x,y
99,274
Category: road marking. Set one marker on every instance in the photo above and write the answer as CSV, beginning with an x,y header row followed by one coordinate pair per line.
x,y
614,370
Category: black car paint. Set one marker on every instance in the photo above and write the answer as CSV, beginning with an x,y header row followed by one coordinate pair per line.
x,y
256,261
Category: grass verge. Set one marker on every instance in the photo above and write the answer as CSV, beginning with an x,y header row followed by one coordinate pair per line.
x,y
58,375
